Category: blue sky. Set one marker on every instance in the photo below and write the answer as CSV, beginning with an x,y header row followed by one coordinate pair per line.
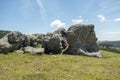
x,y
42,16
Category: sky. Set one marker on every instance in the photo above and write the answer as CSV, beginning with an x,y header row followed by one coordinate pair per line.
x,y
42,16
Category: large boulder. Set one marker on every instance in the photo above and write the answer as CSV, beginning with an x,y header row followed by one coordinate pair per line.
x,y
19,51
82,40
15,38
33,41
39,37
33,50
52,44
61,31
55,42
11,41
30,40
26,41
63,39
5,46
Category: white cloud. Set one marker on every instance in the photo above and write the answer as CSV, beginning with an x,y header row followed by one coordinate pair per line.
x,y
58,24
117,19
102,18
78,21
41,7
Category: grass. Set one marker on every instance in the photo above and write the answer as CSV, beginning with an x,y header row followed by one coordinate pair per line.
x,y
15,66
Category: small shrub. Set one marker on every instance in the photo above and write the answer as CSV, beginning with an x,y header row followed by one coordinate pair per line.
x,y
39,46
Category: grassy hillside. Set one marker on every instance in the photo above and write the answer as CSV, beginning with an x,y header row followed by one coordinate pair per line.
x,y
3,33
109,43
59,67
110,48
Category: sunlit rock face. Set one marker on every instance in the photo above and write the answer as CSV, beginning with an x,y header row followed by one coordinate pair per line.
x,y
82,40
10,42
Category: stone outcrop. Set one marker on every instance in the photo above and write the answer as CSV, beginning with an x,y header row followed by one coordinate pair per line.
x,y
39,37
82,40
11,41
30,40
79,39
52,44
55,42
33,50
15,41
19,51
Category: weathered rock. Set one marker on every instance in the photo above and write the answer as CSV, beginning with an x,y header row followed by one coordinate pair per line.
x,y
15,37
26,41
5,47
52,44
50,34
11,41
45,42
82,40
33,50
28,49
55,42
30,40
63,39
79,39
61,31
19,51
33,41
40,38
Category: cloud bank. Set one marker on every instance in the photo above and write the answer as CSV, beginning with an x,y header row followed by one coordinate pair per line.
x,y
117,19
77,21
102,18
41,8
58,24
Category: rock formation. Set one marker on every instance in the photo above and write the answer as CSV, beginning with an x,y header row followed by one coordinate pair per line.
x,y
55,42
79,39
20,42
39,37
33,50
11,41
82,40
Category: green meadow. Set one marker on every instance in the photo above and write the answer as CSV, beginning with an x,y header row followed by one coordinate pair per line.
x,y
15,66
